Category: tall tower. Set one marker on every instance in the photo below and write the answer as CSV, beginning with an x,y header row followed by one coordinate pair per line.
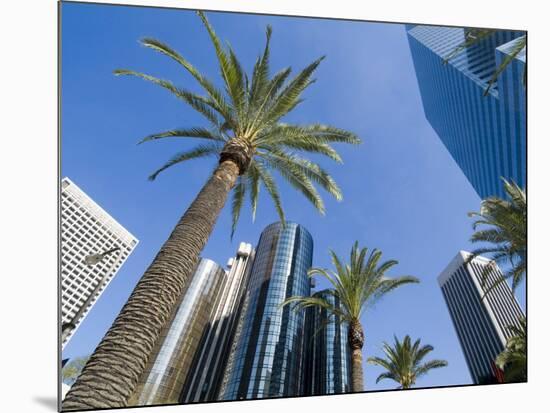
x,y
328,357
481,325
214,346
266,358
87,229
170,362
486,136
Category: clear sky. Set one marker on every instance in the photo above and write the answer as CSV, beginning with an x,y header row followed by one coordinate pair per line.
x,y
403,193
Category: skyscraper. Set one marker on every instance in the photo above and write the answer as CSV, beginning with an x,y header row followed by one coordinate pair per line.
x,y
267,355
170,362
481,325
328,357
87,229
486,136
209,363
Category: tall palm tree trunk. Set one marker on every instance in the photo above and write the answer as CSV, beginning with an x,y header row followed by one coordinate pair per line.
x,y
111,374
356,339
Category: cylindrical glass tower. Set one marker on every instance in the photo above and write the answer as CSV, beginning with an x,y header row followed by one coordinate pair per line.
x,y
328,357
168,367
267,357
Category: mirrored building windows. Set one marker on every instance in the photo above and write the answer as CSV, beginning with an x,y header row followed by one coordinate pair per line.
x,y
267,356
328,357
169,365
485,135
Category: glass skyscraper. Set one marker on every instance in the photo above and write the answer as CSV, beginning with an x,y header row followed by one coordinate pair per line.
x,y
169,364
486,135
267,355
328,357
481,325
206,371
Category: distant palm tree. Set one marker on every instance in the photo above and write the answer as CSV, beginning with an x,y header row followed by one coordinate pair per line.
x,y
507,231
246,136
72,369
404,362
513,360
473,36
357,285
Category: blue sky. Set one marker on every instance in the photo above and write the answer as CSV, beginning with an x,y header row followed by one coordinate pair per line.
x,y
403,193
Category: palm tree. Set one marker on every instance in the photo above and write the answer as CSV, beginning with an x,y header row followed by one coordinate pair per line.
x,y
473,36
72,369
513,360
404,362
246,135
356,285
507,231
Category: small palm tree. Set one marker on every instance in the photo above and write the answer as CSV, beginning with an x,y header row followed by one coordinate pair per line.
x,y
72,369
473,36
404,362
513,360
507,231
356,285
246,136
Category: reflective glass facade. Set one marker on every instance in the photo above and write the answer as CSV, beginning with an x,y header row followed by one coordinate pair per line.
x,y
209,363
171,358
481,326
267,355
328,357
486,136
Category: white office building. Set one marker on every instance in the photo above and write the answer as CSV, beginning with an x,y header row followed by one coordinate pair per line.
x,y
87,229
481,325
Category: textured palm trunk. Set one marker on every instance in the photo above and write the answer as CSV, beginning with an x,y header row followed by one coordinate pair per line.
x,y
111,374
356,340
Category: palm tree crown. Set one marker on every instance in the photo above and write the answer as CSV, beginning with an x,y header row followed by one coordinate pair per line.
x,y
244,125
357,285
507,231
244,130
513,360
404,362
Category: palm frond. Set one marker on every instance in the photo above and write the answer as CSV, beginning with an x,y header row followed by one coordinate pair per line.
x,y
254,184
238,198
504,225
299,303
296,178
310,169
201,133
430,365
230,71
198,152
288,98
216,95
472,36
199,103
271,187
518,47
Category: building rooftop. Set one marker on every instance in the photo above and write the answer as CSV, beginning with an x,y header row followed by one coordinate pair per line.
x,y
456,263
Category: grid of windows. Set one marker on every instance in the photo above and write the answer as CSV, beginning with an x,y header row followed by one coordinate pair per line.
x,y
87,229
169,365
481,326
328,358
486,136
267,354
